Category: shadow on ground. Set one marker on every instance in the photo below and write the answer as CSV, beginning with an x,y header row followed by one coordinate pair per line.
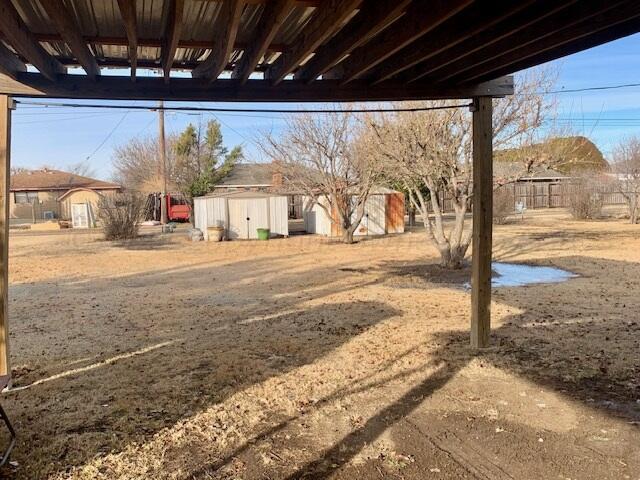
x,y
126,369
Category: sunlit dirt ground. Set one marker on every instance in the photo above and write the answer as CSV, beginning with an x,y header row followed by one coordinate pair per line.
x,y
302,358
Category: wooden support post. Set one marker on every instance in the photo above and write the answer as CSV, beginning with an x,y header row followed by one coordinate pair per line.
x,y
6,104
482,221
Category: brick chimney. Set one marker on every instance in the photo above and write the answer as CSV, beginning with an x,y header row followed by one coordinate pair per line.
x,y
276,180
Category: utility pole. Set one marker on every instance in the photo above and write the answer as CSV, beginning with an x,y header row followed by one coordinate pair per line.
x,y
163,160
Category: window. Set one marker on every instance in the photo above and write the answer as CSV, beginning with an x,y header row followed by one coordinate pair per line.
x,y
25,197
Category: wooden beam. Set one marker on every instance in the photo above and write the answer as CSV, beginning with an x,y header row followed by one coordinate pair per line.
x,y
374,15
420,18
173,30
226,29
477,18
144,63
327,18
65,23
20,38
272,17
587,18
616,32
482,222
298,3
227,90
5,168
128,14
539,11
10,64
148,42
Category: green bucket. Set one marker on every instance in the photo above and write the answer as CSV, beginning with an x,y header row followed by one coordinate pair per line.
x,y
263,234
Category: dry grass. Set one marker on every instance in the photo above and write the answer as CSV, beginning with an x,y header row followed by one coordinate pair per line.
x,y
161,358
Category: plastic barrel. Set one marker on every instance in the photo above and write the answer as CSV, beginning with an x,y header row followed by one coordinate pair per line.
x,y
263,234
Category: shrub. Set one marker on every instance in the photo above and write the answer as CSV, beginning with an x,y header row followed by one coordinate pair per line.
x,y
503,205
120,215
583,200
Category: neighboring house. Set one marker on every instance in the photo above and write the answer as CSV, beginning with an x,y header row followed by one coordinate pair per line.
x,y
252,177
259,177
38,195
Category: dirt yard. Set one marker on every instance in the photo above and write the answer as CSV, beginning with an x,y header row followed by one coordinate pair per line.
x,y
301,358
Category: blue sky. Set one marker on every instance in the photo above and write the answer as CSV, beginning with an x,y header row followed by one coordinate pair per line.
x,y
61,137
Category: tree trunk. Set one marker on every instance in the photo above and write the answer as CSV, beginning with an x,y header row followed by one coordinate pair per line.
x,y
634,210
453,257
347,235
412,217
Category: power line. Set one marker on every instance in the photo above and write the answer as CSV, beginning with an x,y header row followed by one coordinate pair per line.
x,y
245,110
108,136
588,89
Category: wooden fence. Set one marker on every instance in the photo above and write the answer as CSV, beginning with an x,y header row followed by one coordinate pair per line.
x,y
556,194
534,195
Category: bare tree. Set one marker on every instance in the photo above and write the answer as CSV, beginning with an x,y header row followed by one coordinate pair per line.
x,y
430,154
83,168
137,167
19,170
627,170
120,215
326,157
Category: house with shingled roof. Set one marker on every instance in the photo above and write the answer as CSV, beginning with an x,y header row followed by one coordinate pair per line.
x,y
48,194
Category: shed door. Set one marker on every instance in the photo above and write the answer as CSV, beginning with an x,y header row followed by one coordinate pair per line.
x,y
238,223
258,214
373,221
80,215
375,217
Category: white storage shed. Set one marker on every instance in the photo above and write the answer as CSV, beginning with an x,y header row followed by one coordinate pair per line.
x,y
383,213
241,214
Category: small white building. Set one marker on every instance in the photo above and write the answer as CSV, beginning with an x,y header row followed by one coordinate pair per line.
x,y
241,214
383,213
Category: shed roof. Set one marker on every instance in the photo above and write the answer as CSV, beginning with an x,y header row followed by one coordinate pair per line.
x,y
75,190
242,194
48,179
293,50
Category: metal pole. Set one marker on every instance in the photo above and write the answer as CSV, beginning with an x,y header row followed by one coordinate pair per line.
x,y
163,161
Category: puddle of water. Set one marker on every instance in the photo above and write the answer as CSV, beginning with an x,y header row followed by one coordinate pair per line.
x,y
517,275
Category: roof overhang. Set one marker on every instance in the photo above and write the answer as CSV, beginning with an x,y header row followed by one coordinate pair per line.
x,y
226,90
295,51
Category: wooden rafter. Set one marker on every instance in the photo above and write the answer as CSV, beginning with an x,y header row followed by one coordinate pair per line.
x,y
374,15
23,42
616,32
420,18
10,64
173,30
65,23
128,14
148,42
299,3
144,63
225,31
188,89
532,39
274,14
327,18
523,19
471,21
